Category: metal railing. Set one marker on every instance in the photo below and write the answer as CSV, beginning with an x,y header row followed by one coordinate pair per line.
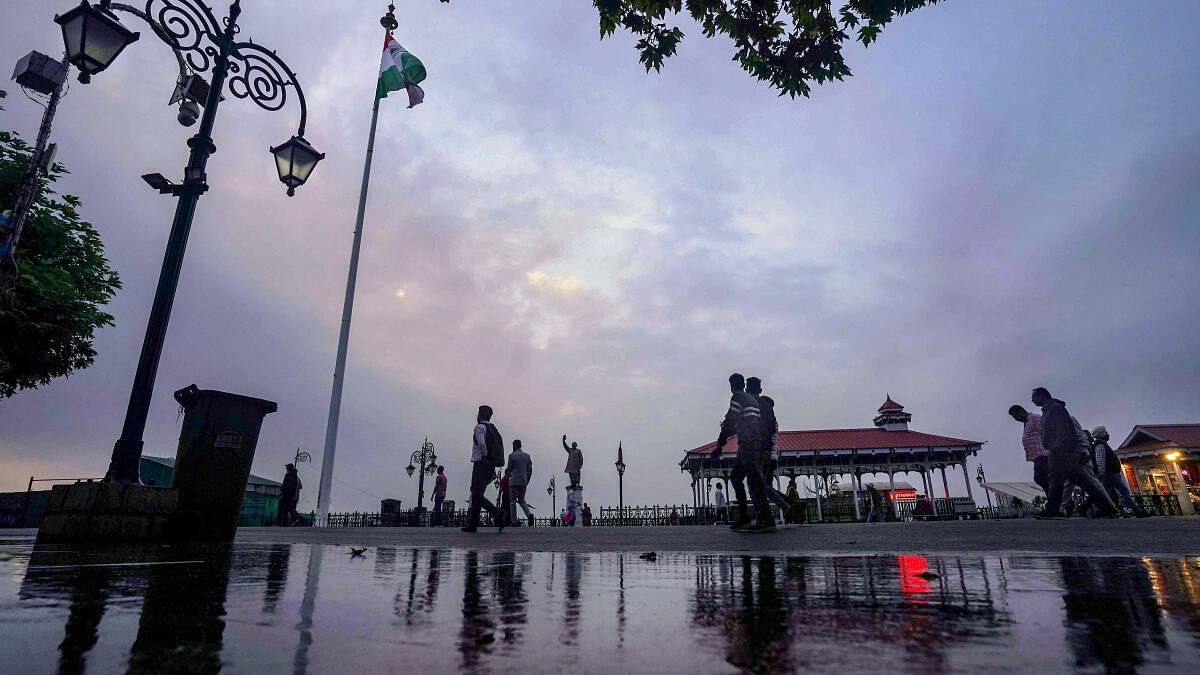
x,y
833,510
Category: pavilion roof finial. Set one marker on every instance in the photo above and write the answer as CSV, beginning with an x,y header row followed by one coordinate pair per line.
x,y
892,416
889,404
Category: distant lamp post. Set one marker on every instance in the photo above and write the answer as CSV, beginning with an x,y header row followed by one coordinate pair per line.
x,y
44,75
295,161
552,490
981,478
93,37
427,458
620,464
202,44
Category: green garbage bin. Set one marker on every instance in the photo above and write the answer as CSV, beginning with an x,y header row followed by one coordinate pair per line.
x,y
216,449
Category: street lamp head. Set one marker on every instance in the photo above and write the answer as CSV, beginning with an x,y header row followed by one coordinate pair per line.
x,y
295,161
189,112
620,468
93,38
410,469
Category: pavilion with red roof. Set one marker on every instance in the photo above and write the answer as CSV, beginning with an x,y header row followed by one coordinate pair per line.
x,y
888,448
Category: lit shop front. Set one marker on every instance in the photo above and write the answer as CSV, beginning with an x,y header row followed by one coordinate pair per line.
x,y
1164,459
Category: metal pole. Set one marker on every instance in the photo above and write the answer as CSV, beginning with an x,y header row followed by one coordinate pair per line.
x,y
127,452
421,484
621,497
29,181
339,370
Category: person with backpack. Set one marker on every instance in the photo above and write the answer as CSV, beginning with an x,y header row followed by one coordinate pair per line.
x,y
487,454
744,420
1112,476
1063,437
770,433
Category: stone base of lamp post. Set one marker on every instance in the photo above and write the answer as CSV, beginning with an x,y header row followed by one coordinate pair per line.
x,y
208,483
107,512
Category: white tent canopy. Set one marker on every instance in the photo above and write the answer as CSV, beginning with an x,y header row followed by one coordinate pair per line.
x,y
1026,492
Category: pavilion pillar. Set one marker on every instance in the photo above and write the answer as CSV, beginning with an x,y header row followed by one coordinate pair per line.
x,y
854,487
817,483
967,479
891,489
945,485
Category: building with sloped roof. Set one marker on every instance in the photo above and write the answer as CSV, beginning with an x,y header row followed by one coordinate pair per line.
x,y
260,506
886,449
1164,459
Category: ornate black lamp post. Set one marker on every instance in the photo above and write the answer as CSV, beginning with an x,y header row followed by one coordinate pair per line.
x,y
620,464
981,478
552,490
427,458
93,37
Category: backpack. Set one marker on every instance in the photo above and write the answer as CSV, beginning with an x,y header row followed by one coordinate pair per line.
x,y
495,446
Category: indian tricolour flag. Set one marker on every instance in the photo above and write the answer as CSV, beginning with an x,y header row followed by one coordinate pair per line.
x,y
399,70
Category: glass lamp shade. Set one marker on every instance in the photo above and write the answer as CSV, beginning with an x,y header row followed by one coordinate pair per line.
x,y
410,469
93,38
620,468
295,161
550,490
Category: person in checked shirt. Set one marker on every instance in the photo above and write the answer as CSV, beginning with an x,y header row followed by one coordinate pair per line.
x,y
1031,439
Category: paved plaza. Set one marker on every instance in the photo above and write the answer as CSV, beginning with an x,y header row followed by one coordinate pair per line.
x,y
1150,536
958,597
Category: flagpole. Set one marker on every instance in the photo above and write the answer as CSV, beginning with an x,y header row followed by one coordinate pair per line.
x,y
339,371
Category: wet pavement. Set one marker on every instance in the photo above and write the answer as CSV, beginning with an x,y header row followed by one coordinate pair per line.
x,y
300,607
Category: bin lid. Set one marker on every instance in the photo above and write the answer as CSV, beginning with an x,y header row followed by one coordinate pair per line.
x,y
191,394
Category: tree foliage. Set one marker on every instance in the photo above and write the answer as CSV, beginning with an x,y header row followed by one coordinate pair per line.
x,y
788,43
50,312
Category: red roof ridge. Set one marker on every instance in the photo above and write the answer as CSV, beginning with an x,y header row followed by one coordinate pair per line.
x,y
805,431
1191,424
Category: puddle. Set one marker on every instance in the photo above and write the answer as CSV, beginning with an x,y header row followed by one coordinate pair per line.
x,y
302,608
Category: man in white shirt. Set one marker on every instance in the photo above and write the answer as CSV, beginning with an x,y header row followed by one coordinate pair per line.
x,y
483,471
719,501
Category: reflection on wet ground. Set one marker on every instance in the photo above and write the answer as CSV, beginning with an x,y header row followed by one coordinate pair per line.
x,y
303,608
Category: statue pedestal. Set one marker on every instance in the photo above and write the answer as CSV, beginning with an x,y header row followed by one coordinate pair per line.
x,y
575,504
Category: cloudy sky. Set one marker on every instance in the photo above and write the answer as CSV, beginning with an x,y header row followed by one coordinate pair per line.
x,y
1004,195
